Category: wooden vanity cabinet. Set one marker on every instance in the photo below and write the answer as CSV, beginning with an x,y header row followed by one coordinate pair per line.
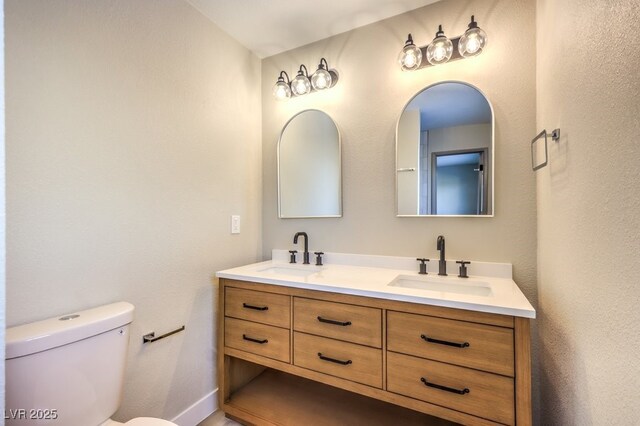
x,y
292,356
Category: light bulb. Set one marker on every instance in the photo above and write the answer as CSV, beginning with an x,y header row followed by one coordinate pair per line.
x,y
440,49
410,59
281,90
410,56
321,79
473,44
301,85
473,41
439,52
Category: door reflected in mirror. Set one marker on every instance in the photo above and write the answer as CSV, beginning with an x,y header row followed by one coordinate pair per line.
x,y
309,167
445,152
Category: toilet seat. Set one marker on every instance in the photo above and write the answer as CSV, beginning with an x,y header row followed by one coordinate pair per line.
x,y
149,421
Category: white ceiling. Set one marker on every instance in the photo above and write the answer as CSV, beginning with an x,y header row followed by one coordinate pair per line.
x,y
268,27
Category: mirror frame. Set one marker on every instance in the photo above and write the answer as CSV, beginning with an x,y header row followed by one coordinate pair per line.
x,y
493,154
339,169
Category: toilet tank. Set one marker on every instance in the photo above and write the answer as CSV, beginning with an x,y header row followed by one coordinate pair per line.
x,y
67,370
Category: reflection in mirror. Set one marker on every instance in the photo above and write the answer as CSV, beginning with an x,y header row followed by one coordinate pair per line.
x,y
444,153
309,167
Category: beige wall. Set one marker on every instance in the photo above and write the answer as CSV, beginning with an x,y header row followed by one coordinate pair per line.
x,y
133,133
3,259
588,203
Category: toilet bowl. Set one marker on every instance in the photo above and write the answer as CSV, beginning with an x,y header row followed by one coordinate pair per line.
x,y
69,370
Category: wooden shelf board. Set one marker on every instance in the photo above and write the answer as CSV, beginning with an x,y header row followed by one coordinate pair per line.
x,y
288,400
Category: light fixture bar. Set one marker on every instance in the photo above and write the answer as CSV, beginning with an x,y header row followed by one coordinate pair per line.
x,y
303,83
467,45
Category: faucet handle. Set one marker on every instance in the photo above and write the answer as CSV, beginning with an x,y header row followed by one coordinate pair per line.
x,y
463,268
293,256
423,265
318,257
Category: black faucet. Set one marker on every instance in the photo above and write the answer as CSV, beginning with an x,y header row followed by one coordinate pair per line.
x,y
305,256
442,265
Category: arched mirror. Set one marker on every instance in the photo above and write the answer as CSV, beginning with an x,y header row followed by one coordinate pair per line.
x,y
445,153
309,167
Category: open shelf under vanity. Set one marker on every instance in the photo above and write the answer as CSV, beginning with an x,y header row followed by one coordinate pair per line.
x,y
288,400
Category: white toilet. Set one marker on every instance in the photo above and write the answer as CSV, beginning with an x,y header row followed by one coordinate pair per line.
x,y
69,370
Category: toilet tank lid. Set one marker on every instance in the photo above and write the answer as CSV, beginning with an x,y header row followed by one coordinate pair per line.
x,y
47,334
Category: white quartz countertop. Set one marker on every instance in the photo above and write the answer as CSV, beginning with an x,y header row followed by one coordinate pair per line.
x,y
489,287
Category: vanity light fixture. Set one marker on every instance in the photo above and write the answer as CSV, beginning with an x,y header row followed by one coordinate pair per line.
x,y
440,49
443,49
323,78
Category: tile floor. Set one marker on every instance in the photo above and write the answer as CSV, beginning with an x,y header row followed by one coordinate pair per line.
x,y
218,419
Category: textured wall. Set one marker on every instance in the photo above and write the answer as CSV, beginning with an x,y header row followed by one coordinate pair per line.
x,y
133,133
3,259
366,103
588,203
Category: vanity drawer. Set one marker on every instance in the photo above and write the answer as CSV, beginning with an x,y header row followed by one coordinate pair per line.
x,y
259,306
489,395
489,348
356,324
260,339
341,359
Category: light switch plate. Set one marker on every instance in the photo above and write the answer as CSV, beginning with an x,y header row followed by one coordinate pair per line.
x,y
235,224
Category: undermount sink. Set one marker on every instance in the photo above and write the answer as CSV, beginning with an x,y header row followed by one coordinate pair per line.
x,y
443,285
291,271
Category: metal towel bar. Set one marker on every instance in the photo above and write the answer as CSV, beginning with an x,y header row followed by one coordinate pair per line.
x,y
151,337
555,136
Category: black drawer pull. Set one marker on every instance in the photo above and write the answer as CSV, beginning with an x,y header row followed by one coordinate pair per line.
x,y
444,388
330,321
444,342
257,308
251,339
337,361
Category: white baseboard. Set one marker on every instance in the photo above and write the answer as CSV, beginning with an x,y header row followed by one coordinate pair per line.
x,y
199,411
